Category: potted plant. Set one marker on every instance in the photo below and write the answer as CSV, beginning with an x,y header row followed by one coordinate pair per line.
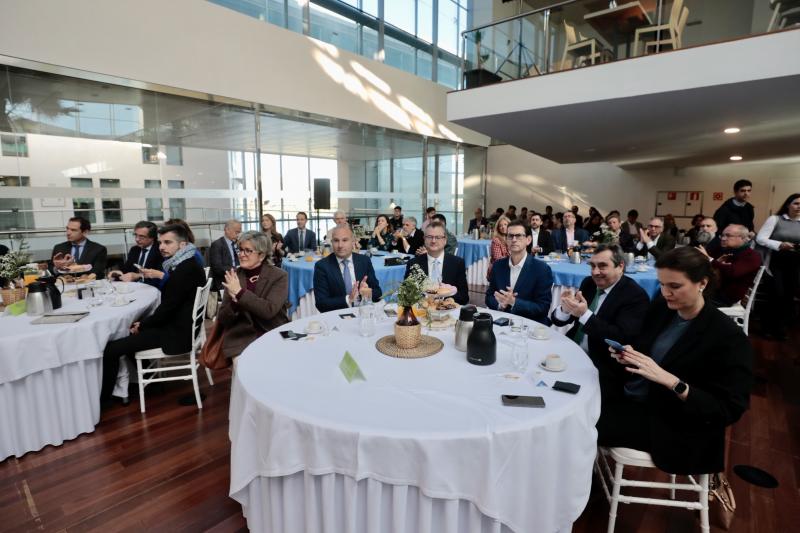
x,y
12,265
407,329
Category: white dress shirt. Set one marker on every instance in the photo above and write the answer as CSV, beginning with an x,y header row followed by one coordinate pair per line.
x,y
570,233
654,240
516,269
352,270
584,318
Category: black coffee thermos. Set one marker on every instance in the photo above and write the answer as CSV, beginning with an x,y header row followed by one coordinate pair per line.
x,y
482,344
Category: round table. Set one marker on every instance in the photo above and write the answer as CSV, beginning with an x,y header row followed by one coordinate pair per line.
x,y
50,374
423,445
301,281
475,253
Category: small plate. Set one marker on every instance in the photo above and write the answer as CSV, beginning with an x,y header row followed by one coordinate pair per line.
x,y
123,305
83,269
563,367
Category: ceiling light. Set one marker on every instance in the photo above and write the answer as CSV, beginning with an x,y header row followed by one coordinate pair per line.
x,y
731,130
736,158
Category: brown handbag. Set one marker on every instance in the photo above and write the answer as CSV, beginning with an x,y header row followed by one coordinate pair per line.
x,y
721,503
212,356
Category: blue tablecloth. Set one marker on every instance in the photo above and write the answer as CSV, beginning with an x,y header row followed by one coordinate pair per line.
x,y
472,250
301,276
570,275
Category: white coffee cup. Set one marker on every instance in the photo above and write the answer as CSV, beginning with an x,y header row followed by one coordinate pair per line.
x,y
553,361
120,300
541,332
314,326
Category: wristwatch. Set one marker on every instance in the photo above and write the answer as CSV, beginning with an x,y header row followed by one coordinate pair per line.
x,y
680,387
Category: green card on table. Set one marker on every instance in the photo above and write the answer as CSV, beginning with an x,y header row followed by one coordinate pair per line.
x,y
350,368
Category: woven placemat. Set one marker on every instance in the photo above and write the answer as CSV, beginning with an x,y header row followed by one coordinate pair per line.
x,y
427,346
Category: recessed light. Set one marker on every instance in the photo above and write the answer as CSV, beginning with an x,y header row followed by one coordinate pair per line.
x,y
736,158
731,130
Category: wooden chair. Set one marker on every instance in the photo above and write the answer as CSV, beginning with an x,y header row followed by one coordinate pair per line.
x,y
740,312
671,28
182,367
613,482
575,42
783,11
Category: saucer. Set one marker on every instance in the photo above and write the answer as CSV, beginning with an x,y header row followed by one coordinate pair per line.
x,y
313,331
115,304
559,369
534,337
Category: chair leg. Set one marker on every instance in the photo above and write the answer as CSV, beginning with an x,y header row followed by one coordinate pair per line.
x,y
196,388
704,504
672,490
612,512
140,378
208,375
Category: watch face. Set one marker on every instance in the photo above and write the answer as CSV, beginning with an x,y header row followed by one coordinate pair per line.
x,y
680,388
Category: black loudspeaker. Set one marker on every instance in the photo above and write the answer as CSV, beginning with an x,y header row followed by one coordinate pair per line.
x,y
322,193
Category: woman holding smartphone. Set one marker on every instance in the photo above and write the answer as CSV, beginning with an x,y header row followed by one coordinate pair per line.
x,y
686,379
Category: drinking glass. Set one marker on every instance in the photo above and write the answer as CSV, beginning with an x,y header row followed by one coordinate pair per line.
x,y
519,355
366,319
515,325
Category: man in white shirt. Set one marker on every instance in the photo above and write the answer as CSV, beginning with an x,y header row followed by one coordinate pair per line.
x,y
540,238
654,241
442,267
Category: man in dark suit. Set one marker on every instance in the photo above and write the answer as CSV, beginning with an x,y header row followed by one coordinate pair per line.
x,y
568,236
409,239
478,221
223,255
737,266
708,241
520,284
78,249
608,305
541,243
145,254
578,218
632,226
170,325
439,266
300,238
654,241
343,276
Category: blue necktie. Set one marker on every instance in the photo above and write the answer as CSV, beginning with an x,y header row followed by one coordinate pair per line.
x,y
436,275
348,281
235,255
76,252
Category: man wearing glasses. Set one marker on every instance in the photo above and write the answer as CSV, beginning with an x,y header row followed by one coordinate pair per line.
x,y
439,266
520,284
409,239
654,241
144,254
737,266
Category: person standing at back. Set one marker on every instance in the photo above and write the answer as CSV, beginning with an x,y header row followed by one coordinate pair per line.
x,y
736,210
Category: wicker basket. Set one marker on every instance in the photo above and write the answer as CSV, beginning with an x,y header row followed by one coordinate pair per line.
x,y
407,336
12,295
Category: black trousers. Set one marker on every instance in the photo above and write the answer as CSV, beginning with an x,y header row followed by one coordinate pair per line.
x,y
779,312
624,423
144,340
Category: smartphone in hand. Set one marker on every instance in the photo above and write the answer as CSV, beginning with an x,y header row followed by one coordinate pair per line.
x,y
615,345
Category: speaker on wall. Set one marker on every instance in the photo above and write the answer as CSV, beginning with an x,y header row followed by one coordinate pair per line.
x,y
322,193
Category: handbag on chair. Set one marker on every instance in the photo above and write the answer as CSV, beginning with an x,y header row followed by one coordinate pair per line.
x,y
212,356
721,503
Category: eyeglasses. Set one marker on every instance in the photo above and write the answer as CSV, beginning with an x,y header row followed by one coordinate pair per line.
x,y
245,251
729,236
653,226
512,236
139,236
435,237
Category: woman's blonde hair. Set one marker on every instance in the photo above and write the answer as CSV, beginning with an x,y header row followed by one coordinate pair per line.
x,y
496,232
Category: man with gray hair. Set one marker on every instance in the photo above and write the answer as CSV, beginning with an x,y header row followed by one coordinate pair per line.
x,y
222,254
737,266
339,219
654,241
408,239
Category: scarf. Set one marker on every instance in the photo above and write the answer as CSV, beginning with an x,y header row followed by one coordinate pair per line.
x,y
182,255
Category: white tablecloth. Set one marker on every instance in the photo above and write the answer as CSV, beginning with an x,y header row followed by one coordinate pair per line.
x,y
435,425
50,374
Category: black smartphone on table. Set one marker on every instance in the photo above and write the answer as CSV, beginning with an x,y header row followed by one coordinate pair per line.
x,y
522,401
502,321
566,386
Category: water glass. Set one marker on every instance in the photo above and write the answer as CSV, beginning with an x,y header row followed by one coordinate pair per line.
x,y
515,325
519,355
366,320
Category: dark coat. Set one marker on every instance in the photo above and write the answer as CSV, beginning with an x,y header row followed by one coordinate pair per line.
x,y
416,240
93,254
475,223
329,292
730,213
543,241
292,244
256,312
173,317
559,238
453,273
665,243
533,288
736,274
715,359
154,260
220,261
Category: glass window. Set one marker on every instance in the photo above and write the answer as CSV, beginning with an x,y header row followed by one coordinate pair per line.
x,y
177,206
448,26
447,73
369,6
271,183
399,54
296,190
83,207
424,67
174,155
333,28
400,14
149,155
14,145
16,213
369,43
112,211
425,20
275,12
296,15
154,205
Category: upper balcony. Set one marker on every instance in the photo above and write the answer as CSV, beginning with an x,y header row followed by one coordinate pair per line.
x,y
637,83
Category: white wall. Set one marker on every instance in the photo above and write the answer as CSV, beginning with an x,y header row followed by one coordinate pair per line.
x,y
204,47
523,179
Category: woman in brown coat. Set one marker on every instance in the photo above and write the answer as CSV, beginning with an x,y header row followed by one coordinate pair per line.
x,y
256,295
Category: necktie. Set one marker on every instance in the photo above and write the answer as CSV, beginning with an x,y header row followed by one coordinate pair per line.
x,y
436,275
348,281
302,239
76,252
235,255
142,257
592,306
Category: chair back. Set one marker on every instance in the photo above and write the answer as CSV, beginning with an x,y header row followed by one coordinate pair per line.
x,y
682,21
750,296
569,33
675,13
198,316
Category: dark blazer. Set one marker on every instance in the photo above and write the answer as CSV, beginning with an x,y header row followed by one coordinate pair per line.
x,y
665,243
154,260
93,254
173,317
533,288
396,223
559,238
715,358
416,240
476,224
292,244
454,273
329,292
736,274
3,249
620,318
220,261
543,241
730,213
256,312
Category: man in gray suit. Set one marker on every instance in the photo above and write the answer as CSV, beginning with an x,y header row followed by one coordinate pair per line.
x,y
654,241
222,254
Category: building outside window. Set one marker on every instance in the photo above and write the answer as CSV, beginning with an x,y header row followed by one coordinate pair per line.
x,y
112,207
154,206
16,213
177,206
83,206
14,145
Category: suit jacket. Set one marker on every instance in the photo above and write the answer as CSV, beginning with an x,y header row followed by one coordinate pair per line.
x,y
533,288
559,238
220,261
154,260
93,254
543,241
665,243
476,224
291,241
329,291
173,317
416,240
454,273
620,318
257,311
715,358
626,227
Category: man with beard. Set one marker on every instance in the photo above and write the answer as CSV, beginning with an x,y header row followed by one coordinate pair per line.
x,y
707,240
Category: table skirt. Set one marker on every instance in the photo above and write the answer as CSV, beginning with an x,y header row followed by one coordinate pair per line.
x,y
49,407
476,272
332,503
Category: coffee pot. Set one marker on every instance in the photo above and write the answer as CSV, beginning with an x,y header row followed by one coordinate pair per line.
x,y
38,300
53,290
464,326
482,344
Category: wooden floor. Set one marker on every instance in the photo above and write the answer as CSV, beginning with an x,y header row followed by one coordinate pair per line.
x,y
168,470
